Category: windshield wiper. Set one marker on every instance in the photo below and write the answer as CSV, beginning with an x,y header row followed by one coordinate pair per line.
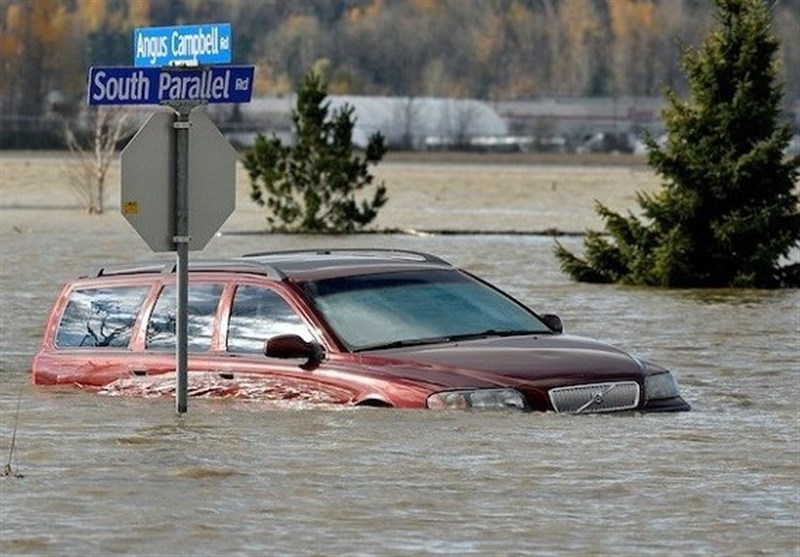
x,y
494,333
404,343
451,338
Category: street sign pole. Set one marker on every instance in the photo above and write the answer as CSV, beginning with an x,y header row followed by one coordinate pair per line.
x,y
182,239
171,70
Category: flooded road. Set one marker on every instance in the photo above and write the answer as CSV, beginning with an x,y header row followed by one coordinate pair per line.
x,y
106,475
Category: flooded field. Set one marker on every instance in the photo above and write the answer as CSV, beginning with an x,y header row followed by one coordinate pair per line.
x,y
107,475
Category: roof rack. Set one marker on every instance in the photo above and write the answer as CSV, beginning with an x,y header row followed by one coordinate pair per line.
x,y
169,267
136,268
402,254
265,263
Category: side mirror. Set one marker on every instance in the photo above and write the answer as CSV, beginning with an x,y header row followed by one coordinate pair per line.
x,y
553,322
292,346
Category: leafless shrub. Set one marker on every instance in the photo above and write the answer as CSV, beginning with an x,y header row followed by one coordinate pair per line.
x,y
93,151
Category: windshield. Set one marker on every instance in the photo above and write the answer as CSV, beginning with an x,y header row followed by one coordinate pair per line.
x,y
416,307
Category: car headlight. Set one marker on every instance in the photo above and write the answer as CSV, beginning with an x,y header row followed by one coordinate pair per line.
x,y
660,385
490,399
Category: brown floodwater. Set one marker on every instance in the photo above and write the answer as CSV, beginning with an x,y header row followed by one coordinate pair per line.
x,y
105,475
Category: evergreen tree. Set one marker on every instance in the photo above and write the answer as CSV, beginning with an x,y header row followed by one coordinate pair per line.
x,y
312,185
727,214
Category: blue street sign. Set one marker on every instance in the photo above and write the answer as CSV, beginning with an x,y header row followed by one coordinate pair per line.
x,y
127,85
187,45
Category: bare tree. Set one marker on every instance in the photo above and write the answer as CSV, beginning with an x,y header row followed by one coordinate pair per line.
x,y
404,118
461,120
93,152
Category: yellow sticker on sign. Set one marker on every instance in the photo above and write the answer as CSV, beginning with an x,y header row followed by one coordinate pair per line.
x,y
130,208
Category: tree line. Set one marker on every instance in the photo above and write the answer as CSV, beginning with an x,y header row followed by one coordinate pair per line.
x,y
484,49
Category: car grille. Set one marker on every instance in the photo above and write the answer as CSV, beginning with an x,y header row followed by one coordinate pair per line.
x,y
598,397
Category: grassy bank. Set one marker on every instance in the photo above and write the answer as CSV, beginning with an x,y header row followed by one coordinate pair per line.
x,y
559,159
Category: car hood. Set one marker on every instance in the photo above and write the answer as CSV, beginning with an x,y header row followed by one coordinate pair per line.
x,y
508,361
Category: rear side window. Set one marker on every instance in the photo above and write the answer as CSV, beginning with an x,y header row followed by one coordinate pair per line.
x,y
100,317
203,302
258,314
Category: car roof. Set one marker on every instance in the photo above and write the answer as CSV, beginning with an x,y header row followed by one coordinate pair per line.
x,y
298,265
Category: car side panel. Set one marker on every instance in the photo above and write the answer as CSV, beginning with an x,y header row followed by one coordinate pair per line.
x,y
80,369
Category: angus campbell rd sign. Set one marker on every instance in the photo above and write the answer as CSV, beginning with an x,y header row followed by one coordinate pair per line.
x,y
185,45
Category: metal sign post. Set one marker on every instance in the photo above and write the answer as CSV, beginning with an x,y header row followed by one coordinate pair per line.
x,y
182,239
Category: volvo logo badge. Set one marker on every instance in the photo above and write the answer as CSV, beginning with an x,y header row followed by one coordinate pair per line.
x,y
596,398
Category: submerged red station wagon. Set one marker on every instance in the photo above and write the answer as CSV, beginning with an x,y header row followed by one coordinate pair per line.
x,y
387,328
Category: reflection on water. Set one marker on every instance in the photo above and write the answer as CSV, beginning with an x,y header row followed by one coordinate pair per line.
x,y
121,475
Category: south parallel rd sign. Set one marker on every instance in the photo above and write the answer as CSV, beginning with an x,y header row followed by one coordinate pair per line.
x,y
131,85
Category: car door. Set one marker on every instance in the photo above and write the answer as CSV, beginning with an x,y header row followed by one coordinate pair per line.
x,y
256,313
151,364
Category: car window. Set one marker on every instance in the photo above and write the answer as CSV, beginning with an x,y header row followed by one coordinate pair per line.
x,y
375,310
100,317
203,302
258,314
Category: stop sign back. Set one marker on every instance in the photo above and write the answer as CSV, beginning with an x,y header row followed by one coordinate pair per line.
x,y
148,181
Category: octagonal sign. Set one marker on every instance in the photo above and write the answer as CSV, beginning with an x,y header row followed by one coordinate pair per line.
x,y
148,189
